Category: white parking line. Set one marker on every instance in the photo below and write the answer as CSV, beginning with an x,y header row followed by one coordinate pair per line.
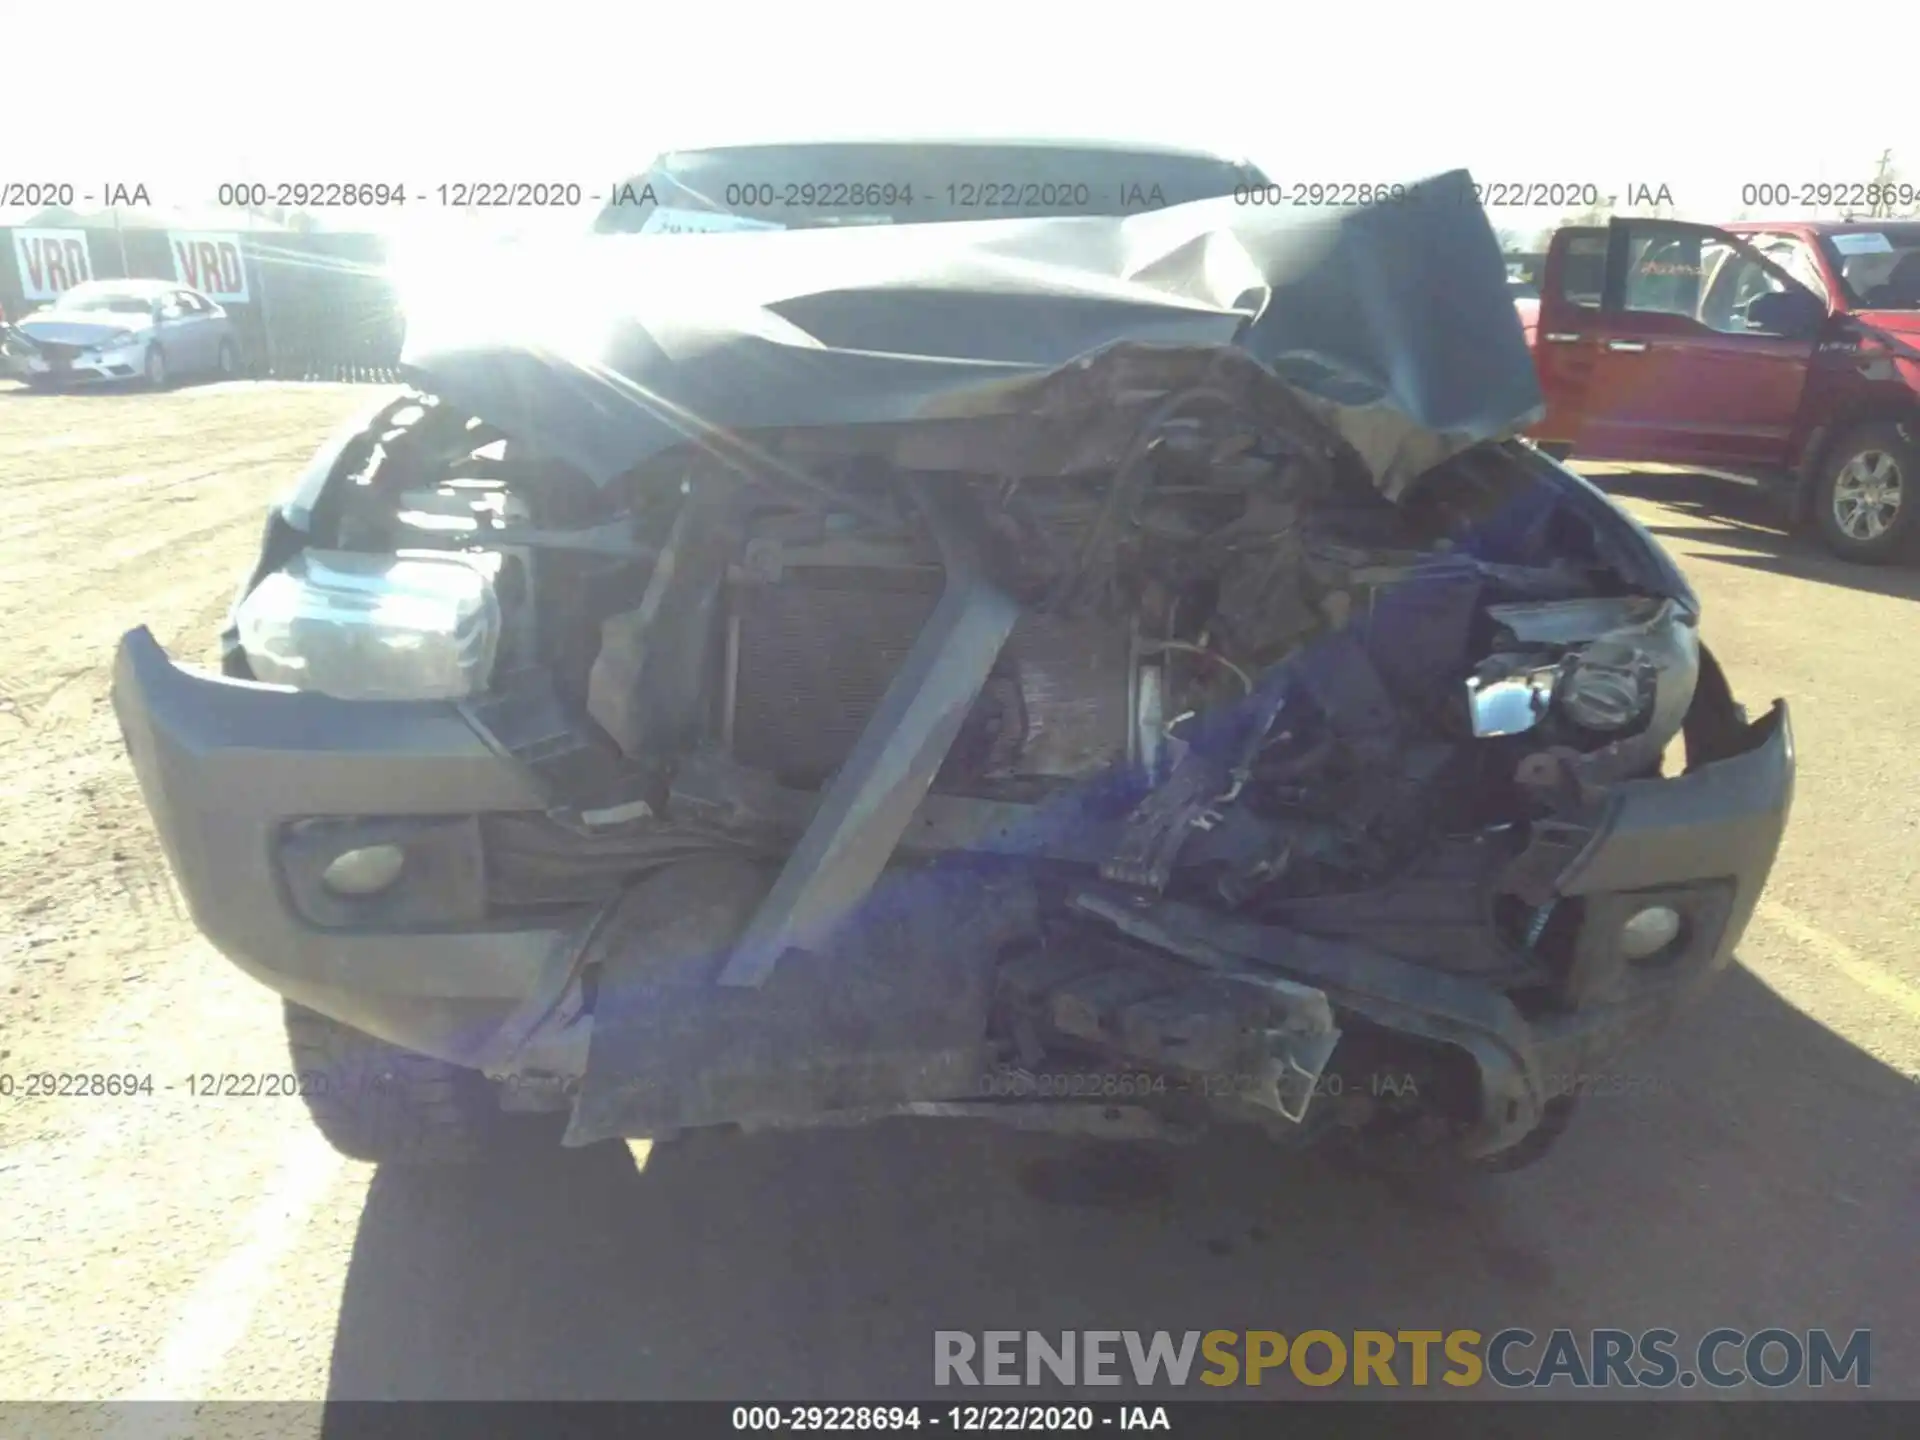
x,y
214,1317
1865,973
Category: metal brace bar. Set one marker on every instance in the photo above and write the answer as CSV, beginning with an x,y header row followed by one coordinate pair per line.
x,y
867,806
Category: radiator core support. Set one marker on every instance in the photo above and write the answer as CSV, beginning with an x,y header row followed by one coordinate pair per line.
x,y
871,800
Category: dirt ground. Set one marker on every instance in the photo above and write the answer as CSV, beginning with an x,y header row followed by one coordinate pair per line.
x,y
1763,1170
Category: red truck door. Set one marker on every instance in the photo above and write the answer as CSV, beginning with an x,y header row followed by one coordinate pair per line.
x,y
1692,365
1565,329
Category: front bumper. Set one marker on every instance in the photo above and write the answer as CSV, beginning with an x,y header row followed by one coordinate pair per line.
x,y
1702,843
225,765
247,783
126,363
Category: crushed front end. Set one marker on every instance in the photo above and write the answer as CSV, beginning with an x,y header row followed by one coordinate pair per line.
x,y
1116,757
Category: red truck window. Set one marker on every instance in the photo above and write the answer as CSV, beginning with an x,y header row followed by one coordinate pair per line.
x,y
1879,269
1794,258
1583,270
1691,274
1664,274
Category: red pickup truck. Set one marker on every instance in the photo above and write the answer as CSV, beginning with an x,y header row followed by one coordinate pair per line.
x,y
1787,353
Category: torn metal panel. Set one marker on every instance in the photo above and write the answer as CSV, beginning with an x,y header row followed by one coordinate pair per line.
x,y
1223,1031
854,1028
1435,914
647,685
1569,622
1401,996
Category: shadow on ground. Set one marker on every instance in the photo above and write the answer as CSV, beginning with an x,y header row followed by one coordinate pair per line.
x,y
1721,514
48,392
19,390
1758,1171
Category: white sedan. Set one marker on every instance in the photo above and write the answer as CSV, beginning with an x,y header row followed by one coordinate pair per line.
x,y
153,330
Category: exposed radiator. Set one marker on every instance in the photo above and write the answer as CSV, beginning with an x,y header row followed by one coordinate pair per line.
x,y
815,657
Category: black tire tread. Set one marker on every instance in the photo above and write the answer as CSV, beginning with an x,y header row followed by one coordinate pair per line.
x,y
377,1102
1899,538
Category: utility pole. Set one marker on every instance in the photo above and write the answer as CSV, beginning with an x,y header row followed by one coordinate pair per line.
x,y
1885,177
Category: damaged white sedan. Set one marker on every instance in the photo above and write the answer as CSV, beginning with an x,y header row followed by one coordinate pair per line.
x,y
1110,673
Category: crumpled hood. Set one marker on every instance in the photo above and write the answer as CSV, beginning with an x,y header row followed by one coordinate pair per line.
x,y
1394,318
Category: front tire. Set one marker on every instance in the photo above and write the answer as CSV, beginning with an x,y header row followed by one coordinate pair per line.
x,y
1424,1150
155,370
1868,490
375,1101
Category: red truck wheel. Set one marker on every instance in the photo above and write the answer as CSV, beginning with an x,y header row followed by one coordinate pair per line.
x,y
1869,488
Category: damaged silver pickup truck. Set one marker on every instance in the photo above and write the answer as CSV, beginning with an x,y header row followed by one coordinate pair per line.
x,y
1116,674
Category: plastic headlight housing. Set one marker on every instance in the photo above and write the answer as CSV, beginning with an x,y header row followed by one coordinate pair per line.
x,y
1608,685
419,625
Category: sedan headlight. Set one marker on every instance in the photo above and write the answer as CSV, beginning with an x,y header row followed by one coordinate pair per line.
x,y
419,625
120,341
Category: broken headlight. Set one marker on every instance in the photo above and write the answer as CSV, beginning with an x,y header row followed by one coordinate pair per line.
x,y
419,625
1607,686
1605,664
1508,696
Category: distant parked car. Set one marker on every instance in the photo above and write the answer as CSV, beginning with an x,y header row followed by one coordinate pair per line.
x,y
122,330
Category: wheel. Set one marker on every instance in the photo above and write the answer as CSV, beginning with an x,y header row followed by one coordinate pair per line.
x,y
229,365
1533,1147
1864,501
375,1101
156,368
1424,1149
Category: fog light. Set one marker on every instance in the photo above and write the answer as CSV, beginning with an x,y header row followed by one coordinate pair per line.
x,y
1649,931
369,870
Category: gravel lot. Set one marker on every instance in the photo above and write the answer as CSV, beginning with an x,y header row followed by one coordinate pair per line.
x,y
1765,1171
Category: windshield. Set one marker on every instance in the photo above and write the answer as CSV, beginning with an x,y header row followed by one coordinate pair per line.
x,y
105,298
1879,268
811,186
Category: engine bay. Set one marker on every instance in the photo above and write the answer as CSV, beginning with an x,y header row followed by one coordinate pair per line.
x,y
1166,640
